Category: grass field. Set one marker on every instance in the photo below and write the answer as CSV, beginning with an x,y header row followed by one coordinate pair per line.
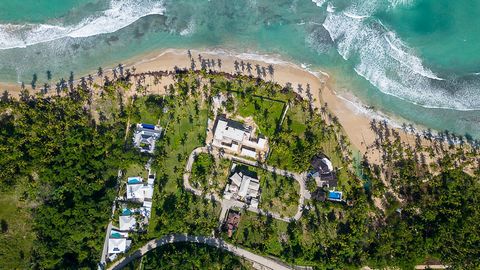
x,y
215,177
177,210
265,112
267,240
147,109
16,235
279,193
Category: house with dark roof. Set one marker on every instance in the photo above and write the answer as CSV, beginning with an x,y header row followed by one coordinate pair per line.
x,y
323,172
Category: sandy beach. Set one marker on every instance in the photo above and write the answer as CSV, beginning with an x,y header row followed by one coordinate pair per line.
x,y
356,123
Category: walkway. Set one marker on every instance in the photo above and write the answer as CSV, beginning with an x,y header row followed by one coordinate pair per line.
x,y
109,227
227,204
211,241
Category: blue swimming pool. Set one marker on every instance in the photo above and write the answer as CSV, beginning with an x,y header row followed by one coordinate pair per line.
x,y
335,195
134,180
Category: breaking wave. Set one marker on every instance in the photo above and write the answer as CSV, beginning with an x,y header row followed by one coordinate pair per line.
x,y
386,62
120,14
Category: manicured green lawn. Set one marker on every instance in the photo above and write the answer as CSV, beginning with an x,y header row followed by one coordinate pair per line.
x,y
176,210
265,112
147,109
16,235
136,169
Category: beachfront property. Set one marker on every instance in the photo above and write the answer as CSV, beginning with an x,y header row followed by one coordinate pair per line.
x,y
137,190
323,172
244,188
145,136
237,138
326,179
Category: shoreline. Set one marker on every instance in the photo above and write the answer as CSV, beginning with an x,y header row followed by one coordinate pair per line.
x,y
351,113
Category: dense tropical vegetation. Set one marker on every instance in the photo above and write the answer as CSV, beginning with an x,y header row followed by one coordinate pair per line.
x,y
192,256
60,155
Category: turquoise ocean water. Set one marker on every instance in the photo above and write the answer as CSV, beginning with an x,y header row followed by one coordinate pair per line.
x,y
417,59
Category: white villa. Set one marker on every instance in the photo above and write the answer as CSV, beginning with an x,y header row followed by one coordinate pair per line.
x,y
117,243
238,138
127,222
137,190
145,137
243,187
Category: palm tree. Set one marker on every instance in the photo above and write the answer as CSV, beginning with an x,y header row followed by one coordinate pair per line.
x,y
249,68
100,72
236,65
34,81
5,96
271,70
90,79
120,69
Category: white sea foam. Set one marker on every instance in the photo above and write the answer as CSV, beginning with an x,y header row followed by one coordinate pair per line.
x,y
120,14
382,59
190,29
395,3
330,8
319,3
353,16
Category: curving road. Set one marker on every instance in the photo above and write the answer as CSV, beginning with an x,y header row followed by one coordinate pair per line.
x,y
226,204
211,241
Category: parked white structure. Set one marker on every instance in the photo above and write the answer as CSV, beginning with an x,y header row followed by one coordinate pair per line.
x,y
145,137
238,138
243,187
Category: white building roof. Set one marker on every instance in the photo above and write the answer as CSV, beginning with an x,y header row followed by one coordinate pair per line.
x,y
224,131
117,245
147,192
236,179
134,191
139,191
252,193
254,203
328,163
249,153
261,142
127,223
254,184
244,186
151,179
147,204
